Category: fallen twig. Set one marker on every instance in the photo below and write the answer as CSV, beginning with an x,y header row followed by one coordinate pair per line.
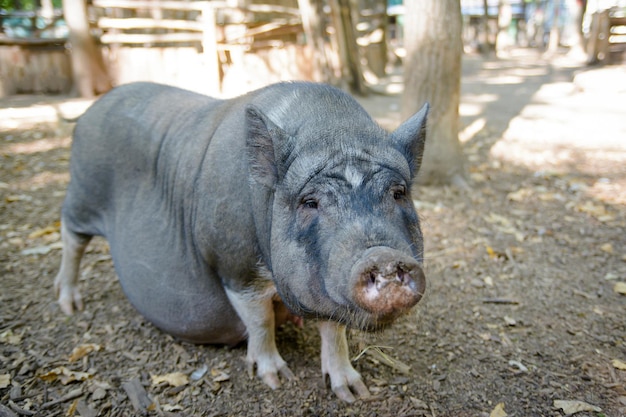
x,y
376,353
67,397
138,396
500,301
19,410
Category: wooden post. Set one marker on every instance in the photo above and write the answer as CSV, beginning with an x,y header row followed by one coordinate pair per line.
x,y
311,14
375,45
209,47
346,34
486,46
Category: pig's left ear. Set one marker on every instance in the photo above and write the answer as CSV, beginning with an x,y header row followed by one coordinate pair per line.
x,y
267,147
410,137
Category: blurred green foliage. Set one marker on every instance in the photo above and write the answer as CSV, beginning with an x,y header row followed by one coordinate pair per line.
x,y
29,5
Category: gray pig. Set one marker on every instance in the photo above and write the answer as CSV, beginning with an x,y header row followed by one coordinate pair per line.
x,y
215,209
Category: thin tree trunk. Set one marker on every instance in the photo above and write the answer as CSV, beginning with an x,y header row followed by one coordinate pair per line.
x,y
88,69
346,34
432,74
555,34
486,46
311,12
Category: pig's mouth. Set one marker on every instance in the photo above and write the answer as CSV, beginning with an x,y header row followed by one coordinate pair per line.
x,y
383,284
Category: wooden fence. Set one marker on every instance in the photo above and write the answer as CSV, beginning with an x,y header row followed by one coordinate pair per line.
x,y
37,63
206,46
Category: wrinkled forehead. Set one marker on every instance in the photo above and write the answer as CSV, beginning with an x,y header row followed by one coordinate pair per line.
x,y
351,165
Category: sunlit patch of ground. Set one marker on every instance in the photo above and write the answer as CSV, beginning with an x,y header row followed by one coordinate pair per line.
x,y
567,128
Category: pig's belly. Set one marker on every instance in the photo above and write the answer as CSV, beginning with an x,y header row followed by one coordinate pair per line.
x,y
195,310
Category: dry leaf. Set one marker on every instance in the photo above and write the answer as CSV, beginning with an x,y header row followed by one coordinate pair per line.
x,y
494,218
37,250
65,375
478,177
175,379
518,365
607,247
619,364
10,338
71,411
219,375
551,197
417,403
573,407
53,228
170,408
620,288
99,394
510,321
503,225
597,211
42,250
520,195
83,350
5,380
15,197
498,411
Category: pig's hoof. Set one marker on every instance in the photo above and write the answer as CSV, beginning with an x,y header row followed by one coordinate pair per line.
x,y
272,380
268,370
345,384
69,299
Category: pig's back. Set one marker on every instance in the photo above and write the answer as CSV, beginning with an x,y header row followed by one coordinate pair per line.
x,y
123,139
136,155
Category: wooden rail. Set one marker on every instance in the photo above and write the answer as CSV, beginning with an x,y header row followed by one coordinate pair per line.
x,y
146,23
192,6
167,5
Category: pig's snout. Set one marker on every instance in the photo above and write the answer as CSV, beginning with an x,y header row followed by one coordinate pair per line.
x,y
388,282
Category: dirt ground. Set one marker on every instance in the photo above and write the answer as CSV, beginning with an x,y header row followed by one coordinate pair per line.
x,y
525,308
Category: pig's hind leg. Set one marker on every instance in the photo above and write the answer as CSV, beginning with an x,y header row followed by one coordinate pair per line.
x,y
345,381
66,281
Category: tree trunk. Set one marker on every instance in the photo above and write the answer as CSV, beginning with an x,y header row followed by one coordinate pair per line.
x,y
88,70
575,27
486,46
432,73
555,33
312,21
344,27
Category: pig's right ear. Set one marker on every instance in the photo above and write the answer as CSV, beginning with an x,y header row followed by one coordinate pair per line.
x,y
267,145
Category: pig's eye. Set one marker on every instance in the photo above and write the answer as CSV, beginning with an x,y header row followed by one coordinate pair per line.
x,y
399,193
310,203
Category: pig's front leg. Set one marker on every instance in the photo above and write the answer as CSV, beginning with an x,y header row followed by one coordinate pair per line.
x,y
345,381
256,310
